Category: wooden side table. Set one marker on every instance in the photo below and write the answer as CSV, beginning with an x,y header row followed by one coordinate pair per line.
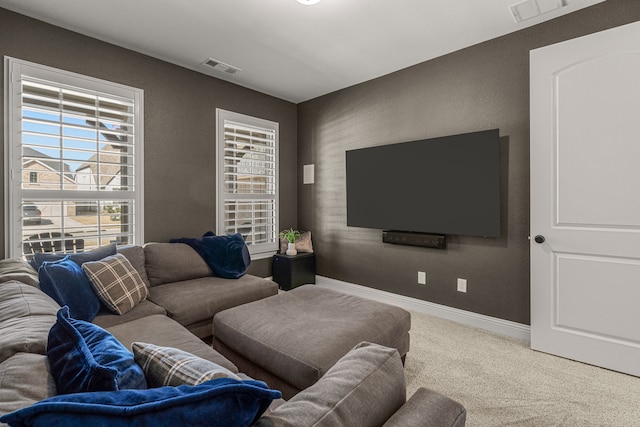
x,y
292,271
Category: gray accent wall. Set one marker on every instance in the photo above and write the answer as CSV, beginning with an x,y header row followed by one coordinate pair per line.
x,y
482,87
179,115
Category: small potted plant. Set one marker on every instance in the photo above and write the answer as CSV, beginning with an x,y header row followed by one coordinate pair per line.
x,y
291,235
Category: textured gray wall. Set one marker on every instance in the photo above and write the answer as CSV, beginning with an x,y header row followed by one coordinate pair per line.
x,y
179,124
482,87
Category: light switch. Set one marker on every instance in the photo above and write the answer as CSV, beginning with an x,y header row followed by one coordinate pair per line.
x,y
308,174
462,285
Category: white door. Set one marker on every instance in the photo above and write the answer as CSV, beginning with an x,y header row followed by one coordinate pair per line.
x,y
585,199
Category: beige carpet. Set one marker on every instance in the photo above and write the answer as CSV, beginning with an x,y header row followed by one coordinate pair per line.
x,y
502,382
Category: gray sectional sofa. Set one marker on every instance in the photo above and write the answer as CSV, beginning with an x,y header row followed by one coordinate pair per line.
x,y
182,287
364,388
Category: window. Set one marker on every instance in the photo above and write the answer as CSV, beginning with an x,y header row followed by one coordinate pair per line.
x,y
247,193
74,168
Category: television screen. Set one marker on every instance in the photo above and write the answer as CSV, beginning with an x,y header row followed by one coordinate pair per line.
x,y
447,185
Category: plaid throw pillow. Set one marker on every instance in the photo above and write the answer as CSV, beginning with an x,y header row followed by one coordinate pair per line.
x,y
166,366
117,283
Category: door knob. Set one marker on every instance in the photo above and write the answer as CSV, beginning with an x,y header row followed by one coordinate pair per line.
x,y
539,239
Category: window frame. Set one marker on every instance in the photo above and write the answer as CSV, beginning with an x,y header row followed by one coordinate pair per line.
x,y
262,250
15,194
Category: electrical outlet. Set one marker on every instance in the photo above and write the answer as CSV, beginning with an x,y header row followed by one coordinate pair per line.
x,y
462,285
422,278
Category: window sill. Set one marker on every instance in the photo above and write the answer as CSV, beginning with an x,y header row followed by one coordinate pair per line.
x,y
262,255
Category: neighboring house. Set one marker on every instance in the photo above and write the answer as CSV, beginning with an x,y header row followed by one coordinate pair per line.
x,y
101,172
39,170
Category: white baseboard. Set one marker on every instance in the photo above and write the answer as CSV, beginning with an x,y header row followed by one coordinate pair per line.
x,y
493,324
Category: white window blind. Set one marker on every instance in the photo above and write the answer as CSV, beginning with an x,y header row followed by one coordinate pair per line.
x,y
82,138
248,180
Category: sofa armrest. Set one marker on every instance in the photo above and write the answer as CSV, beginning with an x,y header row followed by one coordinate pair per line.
x,y
429,408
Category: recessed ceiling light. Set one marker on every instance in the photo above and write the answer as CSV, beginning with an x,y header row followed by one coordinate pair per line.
x,y
308,2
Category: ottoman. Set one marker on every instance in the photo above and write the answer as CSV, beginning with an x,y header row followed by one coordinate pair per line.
x,y
291,339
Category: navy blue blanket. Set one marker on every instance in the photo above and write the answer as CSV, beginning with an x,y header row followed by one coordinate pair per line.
x,y
217,403
227,256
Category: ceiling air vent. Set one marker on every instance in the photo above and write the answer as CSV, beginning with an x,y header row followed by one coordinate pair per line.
x,y
221,66
529,9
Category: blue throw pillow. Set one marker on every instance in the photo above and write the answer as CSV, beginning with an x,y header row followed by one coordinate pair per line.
x,y
217,403
66,282
227,256
84,357
79,258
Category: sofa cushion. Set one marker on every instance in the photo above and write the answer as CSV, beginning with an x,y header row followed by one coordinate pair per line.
x,y
26,315
135,255
201,329
24,380
173,262
65,282
223,402
18,269
85,357
227,256
364,388
192,301
163,331
170,366
79,258
116,282
107,318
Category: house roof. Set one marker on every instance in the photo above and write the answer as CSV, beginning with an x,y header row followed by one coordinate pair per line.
x,y
48,161
109,166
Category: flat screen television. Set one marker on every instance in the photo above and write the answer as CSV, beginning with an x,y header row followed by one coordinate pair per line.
x,y
447,185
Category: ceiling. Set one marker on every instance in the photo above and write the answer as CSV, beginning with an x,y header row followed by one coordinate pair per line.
x,y
286,49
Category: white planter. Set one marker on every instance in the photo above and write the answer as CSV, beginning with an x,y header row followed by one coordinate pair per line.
x,y
291,249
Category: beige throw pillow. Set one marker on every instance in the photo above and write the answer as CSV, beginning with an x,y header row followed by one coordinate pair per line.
x,y
167,366
303,243
284,243
116,282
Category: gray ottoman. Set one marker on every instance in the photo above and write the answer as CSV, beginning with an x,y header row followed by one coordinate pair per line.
x,y
290,340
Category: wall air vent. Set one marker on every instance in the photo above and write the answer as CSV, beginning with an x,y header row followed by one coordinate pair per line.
x,y
221,66
529,9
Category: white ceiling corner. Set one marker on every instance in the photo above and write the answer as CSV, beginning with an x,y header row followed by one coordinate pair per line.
x,y
292,51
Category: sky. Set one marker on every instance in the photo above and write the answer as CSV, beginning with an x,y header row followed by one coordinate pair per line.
x,y
43,132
